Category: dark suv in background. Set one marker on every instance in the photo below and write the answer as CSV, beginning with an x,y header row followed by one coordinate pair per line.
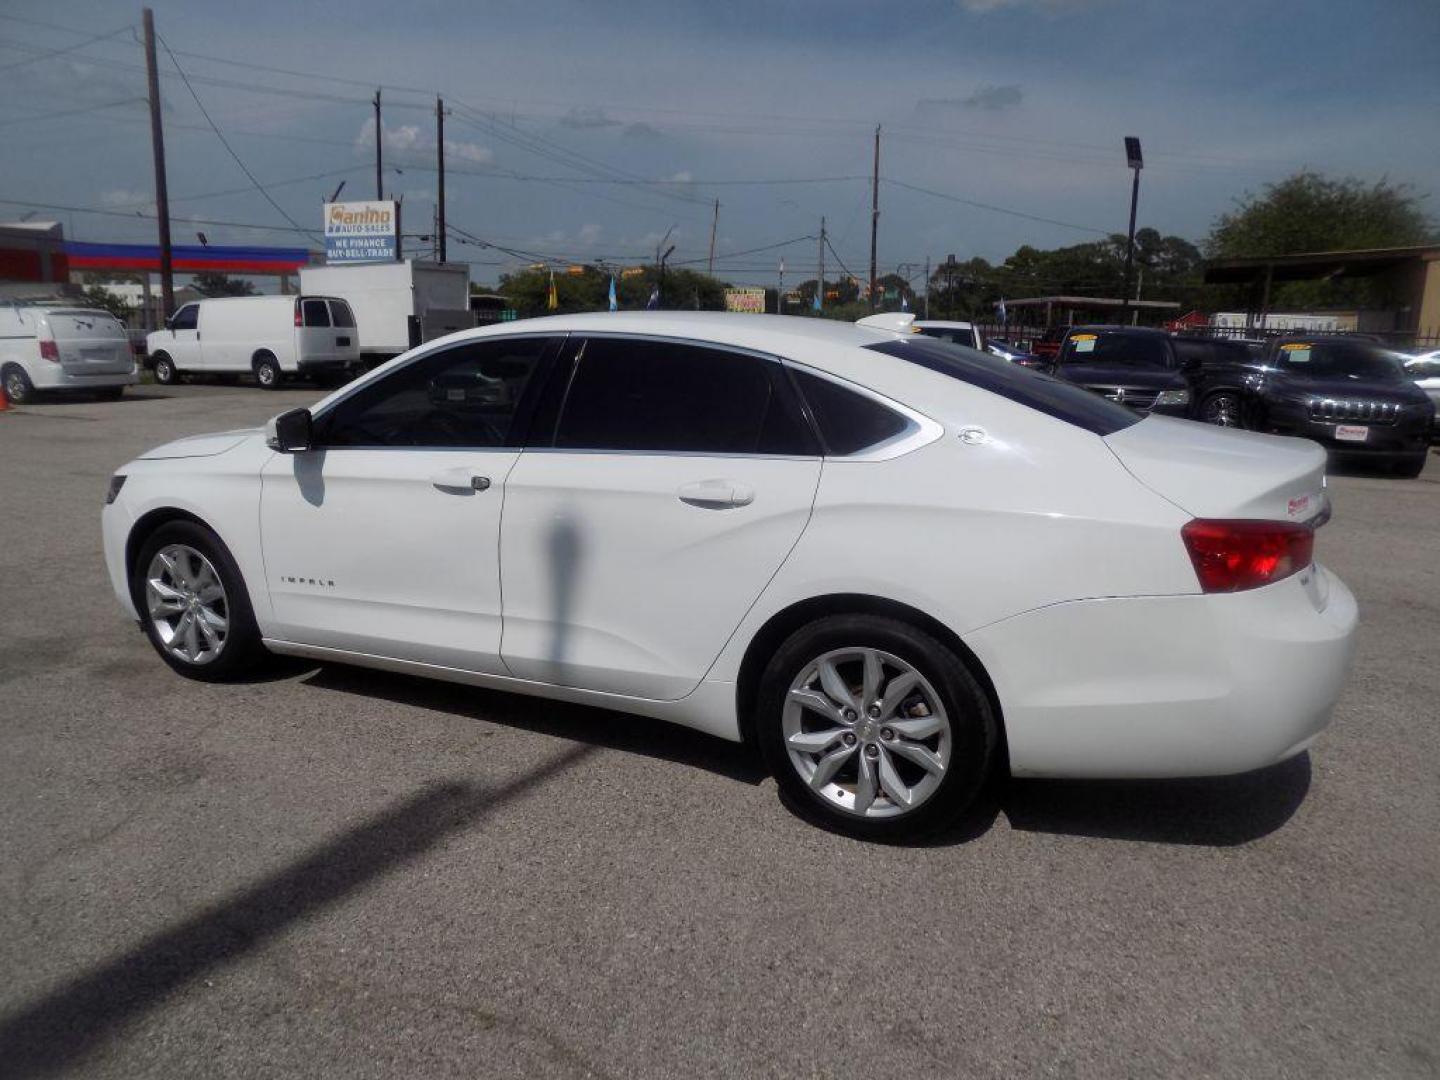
x,y
1134,366
1352,396
1347,393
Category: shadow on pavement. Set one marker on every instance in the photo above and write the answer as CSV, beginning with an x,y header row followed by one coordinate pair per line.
x,y
1217,812
578,723
56,1032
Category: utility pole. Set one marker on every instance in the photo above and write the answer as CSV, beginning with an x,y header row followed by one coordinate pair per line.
x,y
927,286
440,197
874,213
780,290
820,285
162,194
379,187
1136,162
714,224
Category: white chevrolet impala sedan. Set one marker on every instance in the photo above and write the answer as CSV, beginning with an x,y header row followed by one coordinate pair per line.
x,y
895,564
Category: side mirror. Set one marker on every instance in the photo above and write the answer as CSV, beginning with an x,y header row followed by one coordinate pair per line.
x,y
289,432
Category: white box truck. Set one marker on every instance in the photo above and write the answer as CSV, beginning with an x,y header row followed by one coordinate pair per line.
x,y
397,305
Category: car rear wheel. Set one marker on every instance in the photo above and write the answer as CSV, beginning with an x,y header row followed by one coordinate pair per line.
x,y
1224,409
872,727
18,387
193,604
166,374
267,372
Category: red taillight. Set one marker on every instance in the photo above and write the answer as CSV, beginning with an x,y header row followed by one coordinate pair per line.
x,y
298,320
49,350
1233,555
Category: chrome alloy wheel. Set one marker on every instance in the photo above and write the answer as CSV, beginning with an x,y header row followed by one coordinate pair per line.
x,y
187,604
867,732
1223,410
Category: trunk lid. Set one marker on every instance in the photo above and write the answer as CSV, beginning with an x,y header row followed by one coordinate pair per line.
x,y
1215,472
90,342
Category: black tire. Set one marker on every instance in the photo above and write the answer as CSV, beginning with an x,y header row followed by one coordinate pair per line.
x,y
166,373
18,387
973,725
1224,408
242,650
1412,468
267,372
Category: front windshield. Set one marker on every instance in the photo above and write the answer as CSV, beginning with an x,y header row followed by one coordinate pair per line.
x,y
1341,359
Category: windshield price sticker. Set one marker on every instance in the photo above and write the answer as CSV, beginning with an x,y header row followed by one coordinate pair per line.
x,y
1297,353
1084,342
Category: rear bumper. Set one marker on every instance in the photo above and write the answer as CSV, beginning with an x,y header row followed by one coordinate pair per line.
x,y
54,378
1173,685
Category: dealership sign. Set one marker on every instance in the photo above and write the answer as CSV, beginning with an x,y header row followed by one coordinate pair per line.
x,y
751,300
361,232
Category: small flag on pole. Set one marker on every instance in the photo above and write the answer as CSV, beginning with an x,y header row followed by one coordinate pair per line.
x,y
1000,310
552,300
904,302
614,305
654,301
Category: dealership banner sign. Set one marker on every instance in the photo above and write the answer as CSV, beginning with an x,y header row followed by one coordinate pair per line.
x,y
361,232
751,300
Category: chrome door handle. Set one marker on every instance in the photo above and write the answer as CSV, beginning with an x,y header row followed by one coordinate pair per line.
x,y
460,479
715,494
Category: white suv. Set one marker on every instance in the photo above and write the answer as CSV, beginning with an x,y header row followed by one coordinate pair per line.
x,y
55,348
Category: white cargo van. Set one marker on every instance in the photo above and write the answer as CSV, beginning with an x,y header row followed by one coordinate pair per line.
x,y
62,348
398,304
271,337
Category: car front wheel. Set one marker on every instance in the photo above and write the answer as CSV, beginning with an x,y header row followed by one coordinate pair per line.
x,y
166,374
193,604
874,727
1223,409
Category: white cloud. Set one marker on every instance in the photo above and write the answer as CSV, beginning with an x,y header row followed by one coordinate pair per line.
x,y
1053,7
588,234
413,143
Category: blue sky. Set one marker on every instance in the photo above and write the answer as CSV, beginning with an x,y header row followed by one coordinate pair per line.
x,y
1019,105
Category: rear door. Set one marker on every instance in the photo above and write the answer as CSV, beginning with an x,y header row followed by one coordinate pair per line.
x,y
184,343
347,341
316,339
90,342
674,482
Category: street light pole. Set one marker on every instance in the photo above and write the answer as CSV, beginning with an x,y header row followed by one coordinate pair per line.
x,y
1136,162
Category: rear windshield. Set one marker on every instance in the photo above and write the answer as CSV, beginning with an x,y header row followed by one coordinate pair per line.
x,y
1127,350
340,312
84,324
1044,393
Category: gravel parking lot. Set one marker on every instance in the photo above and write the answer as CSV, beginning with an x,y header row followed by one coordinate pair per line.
x,y
337,872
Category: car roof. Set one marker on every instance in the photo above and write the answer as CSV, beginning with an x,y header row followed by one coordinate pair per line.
x,y
945,324
739,329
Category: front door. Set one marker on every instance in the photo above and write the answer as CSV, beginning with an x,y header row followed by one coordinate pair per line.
x,y
675,481
184,344
383,539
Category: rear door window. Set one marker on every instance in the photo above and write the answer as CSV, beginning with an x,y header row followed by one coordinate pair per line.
x,y
849,422
658,396
316,312
340,314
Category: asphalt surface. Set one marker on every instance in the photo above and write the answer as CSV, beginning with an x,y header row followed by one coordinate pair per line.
x,y
343,873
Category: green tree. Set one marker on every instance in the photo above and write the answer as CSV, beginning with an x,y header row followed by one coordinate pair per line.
x,y
1310,212
212,283
101,297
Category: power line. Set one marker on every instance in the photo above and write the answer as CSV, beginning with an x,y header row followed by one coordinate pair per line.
x,y
228,148
991,207
133,214
70,112
67,48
